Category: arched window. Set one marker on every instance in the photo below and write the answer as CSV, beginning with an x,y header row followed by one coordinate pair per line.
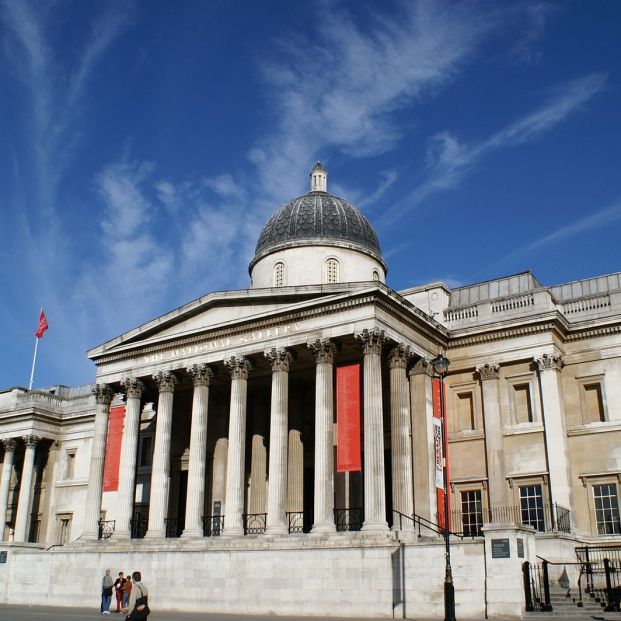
x,y
375,275
332,271
279,275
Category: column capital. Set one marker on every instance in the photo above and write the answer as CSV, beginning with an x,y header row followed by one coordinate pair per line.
x,y
133,387
323,350
549,361
165,380
103,394
9,445
488,371
281,359
399,356
371,341
238,367
202,374
421,367
31,441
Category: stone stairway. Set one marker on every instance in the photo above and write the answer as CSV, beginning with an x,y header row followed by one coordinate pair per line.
x,y
565,606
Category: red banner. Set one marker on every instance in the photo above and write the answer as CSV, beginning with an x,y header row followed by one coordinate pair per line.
x,y
113,449
348,454
441,450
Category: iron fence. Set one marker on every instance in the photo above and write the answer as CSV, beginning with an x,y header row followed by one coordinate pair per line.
x,y
254,523
299,521
537,586
174,527
105,529
213,525
348,519
600,571
138,526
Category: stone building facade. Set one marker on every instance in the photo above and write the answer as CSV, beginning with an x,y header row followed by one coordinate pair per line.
x,y
205,451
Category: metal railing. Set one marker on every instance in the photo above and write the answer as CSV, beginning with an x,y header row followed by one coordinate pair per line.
x,y
254,523
299,521
138,526
537,586
547,518
420,524
173,527
105,529
348,519
213,525
600,570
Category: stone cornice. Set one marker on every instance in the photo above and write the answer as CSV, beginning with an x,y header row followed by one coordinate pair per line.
x,y
504,334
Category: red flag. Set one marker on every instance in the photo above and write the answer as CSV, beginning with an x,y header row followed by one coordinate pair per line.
x,y
42,325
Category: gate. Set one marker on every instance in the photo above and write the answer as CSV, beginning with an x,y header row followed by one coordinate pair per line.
x,y
600,569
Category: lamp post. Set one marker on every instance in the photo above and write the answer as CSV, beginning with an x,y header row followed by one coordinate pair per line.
x,y
440,366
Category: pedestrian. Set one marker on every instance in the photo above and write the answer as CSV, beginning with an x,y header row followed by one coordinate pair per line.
x,y
106,592
137,607
119,583
127,589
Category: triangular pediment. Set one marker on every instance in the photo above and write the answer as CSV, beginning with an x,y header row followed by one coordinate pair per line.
x,y
226,309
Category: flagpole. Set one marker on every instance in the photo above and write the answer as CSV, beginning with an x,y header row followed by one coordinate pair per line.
x,y
34,359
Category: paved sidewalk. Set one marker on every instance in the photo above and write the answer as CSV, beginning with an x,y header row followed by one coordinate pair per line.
x,y
55,613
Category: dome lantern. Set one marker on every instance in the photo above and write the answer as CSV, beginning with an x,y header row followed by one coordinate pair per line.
x,y
319,178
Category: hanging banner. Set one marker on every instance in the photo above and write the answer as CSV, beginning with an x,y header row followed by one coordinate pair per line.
x,y
440,451
348,454
113,448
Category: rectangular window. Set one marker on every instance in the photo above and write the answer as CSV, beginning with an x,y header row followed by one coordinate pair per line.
x,y
521,402
593,403
64,530
146,452
471,512
606,509
69,465
531,506
465,412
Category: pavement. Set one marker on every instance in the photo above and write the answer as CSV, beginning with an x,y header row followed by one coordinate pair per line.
x,y
56,613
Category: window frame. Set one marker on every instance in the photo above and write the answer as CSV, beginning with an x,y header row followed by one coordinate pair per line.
x,y
279,265
533,391
517,482
60,517
456,390
326,271
466,486
589,380
144,435
589,481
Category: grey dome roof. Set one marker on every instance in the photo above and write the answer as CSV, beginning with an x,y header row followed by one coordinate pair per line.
x,y
318,218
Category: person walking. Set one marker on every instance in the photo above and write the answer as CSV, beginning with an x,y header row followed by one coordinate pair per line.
x,y
119,583
139,591
127,589
106,592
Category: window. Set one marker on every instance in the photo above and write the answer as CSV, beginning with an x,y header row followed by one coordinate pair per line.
x,y
332,271
279,275
607,509
376,275
593,403
465,411
522,408
471,512
145,457
531,506
64,528
70,464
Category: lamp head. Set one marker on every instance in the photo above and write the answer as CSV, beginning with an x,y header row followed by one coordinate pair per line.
x,y
440,365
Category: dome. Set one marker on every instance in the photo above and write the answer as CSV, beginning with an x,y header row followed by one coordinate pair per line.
x,y
318,219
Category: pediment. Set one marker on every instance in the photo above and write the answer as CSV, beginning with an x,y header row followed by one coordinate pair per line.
x,y
225,309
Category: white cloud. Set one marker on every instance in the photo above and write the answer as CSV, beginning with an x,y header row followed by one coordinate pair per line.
x,y
449,161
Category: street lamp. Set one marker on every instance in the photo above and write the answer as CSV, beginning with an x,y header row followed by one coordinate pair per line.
x,y
440,366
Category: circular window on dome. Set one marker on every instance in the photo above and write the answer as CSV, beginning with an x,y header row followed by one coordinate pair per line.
x,y
332,271
279,275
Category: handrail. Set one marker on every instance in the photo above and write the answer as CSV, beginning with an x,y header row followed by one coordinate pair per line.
x,y
419,520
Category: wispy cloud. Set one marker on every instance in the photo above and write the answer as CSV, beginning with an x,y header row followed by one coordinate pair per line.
x,y
594,221
449,161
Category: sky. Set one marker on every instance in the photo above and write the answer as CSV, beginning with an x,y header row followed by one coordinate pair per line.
x,y
143,145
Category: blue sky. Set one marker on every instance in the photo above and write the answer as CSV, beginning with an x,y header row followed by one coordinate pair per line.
x,y
143,146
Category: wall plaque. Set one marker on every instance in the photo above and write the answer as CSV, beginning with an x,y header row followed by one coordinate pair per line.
x,y
500,548
520,547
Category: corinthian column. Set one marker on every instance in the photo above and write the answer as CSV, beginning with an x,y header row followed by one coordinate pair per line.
x,y
493,434
277,482
239,368
5,481
371,342
324,435
25,488
549,366
129,450
201,376
160,473
92,511
402,500
421,403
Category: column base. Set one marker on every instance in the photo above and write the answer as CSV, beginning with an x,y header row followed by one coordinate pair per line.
x,y
155,534
323,528
192,533
375,526
120,534
232,531
277,530
89,536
